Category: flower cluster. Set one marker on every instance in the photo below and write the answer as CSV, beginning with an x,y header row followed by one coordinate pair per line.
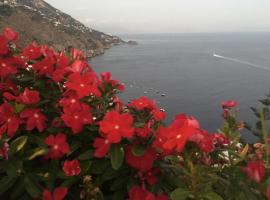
x,y
65,134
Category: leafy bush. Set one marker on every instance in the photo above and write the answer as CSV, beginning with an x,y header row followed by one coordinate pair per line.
x,y
64,134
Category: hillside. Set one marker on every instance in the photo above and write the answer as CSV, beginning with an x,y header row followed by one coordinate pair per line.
x,y
36,20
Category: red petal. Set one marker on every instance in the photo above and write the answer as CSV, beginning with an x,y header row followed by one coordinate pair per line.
x,y
60,193
47,195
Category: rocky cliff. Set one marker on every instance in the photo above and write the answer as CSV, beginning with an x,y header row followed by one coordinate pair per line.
x,y
36,20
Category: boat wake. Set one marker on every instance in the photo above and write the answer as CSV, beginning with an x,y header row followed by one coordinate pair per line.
x,y
242,62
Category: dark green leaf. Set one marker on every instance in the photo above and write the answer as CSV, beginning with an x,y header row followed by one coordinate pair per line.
x,y
71,181
14,167
85,166
180,194
119,195
87,155
18,190
32,187
119,183
138,150
5,183
139,124
99,166
117,156
212,196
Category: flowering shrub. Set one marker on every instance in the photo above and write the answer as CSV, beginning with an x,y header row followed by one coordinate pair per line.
x,y
64,134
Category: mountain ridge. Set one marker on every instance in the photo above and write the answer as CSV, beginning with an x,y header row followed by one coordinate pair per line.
x,y
48,25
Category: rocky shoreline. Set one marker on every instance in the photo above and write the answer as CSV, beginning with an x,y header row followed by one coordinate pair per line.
x,y
53,27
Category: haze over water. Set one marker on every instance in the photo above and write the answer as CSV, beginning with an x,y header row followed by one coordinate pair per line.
x,y
195,72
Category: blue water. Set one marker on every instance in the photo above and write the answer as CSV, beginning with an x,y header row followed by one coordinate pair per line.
x,y
182,67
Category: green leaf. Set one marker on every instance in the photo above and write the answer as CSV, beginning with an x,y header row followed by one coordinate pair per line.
x,y
32,187
17,144
18,190
99,166
71,181
139,124
85,166
138,150
14,167
268,181
119,195
117,156
119,183
19,107
6,182
212,196
180,194
109,174
39,151
87,155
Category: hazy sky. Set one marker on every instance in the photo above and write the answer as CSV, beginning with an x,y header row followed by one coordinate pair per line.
x,y
169,16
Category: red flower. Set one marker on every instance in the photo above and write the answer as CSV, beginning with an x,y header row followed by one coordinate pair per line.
x,y
220,139
45,66
77,54
151,176
268,192
144,131
8,85
4,48
34,119
204,140
58,144
255,170
59,193
7,67
62,63
71,100
228,104
9,122
77,116
32,51
160,139
179,131
139,193
11,35
79,66
142,103
84,85
62,60
72,168
158,114
27,97
4,151
115,126
107,78
142,163
162,197
47,51
102,147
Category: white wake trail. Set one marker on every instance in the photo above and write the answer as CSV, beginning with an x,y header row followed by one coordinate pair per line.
x,y
242,62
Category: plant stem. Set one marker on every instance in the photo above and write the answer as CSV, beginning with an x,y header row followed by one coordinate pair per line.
x,y
265,136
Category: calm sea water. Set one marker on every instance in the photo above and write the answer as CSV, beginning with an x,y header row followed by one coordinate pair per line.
x,y
195,72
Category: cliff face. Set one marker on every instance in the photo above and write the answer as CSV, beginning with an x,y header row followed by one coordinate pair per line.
x,y
36,20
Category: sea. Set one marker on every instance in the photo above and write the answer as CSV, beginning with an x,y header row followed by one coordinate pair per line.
x,y
193,73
